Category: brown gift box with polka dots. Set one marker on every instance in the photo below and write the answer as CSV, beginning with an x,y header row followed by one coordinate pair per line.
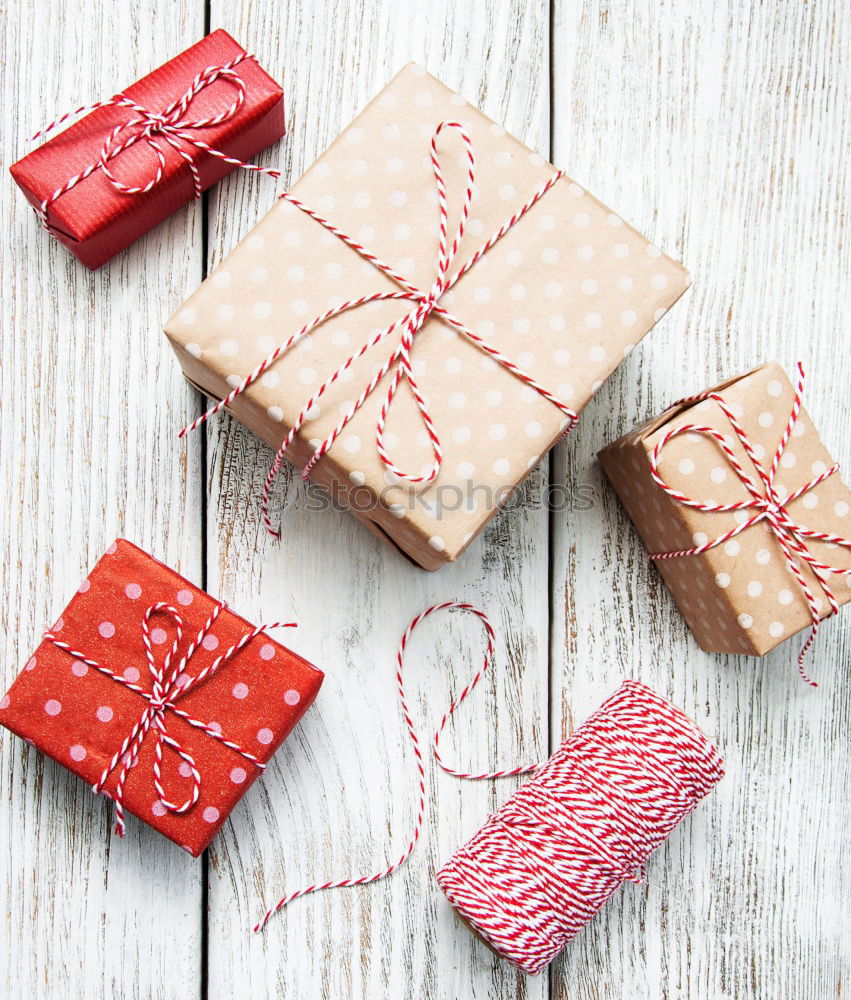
x,y
564,295
80,717
740,597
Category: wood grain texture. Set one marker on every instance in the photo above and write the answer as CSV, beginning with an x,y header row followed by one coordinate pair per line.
x,y
90,404
341,796
721,131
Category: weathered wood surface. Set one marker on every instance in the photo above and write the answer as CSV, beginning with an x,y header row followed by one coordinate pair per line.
x,y
720,131
90,402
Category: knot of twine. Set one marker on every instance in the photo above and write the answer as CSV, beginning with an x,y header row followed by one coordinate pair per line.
x,y
540,868
767,504
169,125
170,683
426,306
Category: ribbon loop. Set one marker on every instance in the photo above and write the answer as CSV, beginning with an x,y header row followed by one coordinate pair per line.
x,y
769,503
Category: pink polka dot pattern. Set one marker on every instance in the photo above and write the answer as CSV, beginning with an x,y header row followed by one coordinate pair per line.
x,y
265,736
739,597
292,697
80,716
210,642
267,651
548,286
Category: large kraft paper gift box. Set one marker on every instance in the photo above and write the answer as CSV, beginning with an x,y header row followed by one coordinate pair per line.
x,y
740,596
564,294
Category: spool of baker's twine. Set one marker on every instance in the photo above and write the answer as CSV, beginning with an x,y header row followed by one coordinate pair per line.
x,y
547,861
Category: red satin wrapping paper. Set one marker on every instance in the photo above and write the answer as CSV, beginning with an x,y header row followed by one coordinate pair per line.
x,y
80,717
94,220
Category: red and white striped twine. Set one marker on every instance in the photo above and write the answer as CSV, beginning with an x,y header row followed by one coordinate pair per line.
x,y
421,774
169,125
767,504
398,365
587,821
170,683
547,861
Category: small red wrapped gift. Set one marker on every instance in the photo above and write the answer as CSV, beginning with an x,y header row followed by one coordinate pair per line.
x,y
148,151
159,697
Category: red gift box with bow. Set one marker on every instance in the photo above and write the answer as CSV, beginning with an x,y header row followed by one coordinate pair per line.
x,y
158,696
143,154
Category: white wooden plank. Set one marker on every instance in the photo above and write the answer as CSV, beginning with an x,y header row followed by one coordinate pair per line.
x,y
341,792
721,129
91,400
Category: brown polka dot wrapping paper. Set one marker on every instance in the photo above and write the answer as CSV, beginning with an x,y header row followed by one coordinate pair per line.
x,y
740,596
79,716
564,294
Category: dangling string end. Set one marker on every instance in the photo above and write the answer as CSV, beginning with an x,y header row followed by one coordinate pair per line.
x,y
802,656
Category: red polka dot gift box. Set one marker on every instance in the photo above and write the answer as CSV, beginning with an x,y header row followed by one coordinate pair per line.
x,y
137,157
158,696
743,510
421,317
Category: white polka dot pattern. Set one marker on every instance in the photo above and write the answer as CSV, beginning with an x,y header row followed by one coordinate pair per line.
x,y
68,705
520,296
739,597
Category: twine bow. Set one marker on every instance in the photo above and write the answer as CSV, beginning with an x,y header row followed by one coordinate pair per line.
x,y
170,126
170,683
398,365
768,505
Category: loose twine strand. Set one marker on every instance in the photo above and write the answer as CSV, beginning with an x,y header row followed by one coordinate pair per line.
x,y
418,756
